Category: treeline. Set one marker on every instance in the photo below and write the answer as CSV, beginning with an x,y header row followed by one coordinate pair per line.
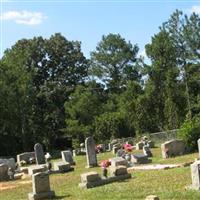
x,y
48,88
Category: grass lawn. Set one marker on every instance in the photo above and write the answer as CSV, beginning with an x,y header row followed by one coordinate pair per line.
x,y
167,184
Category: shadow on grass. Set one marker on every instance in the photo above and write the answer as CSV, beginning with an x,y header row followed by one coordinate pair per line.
x,y
61,197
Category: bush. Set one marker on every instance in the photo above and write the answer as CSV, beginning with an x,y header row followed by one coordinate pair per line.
x,y
190,133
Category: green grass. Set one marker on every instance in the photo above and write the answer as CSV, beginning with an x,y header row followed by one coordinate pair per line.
x,y
167,184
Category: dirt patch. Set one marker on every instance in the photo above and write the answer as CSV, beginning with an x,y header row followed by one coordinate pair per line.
x,y
11,185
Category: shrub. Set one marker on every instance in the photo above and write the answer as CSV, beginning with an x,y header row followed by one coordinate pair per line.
x,y
190,133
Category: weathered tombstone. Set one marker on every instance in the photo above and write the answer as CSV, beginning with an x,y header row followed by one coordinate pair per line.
x,y
90,152
3,172
110,147
195,172
118,170
139,145
147,151
173,148
10,162
198,142
118,161
41,187
120,153
26,156
62,166
67,157
39,154
139,158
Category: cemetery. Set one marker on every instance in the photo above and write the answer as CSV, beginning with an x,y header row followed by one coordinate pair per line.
x,y
99,100
71,177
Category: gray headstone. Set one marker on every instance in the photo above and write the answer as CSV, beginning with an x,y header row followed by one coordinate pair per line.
x,y
195,172
173,148
67,157
41,187
198,142
26,156
90,152
3,172
10,162
39,154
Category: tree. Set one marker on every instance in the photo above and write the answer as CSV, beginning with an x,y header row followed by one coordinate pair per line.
x,y
162,86
50,69
83,106
114,61
185,34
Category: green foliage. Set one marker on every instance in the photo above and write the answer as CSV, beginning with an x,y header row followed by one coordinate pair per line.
x,y
109,125
115,61
190,133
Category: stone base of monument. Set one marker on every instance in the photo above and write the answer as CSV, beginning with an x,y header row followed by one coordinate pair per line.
x,y
45,195
93,179
62,167
104,181
139,158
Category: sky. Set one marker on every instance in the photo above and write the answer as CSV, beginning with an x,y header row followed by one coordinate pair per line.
x,y
87,20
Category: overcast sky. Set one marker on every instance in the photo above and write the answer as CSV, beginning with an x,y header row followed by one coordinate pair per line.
x,y
87,21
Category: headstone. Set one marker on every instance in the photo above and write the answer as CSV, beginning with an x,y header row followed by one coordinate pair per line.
x,y
110,146
120,153
115,149
147,151
139,158
35,169
139,145
67,157
172,148
119,170
118,161
41,187
198,142
195,172
26,156
90,177
74,152
62,166
90,152
10,162
3,172
39,154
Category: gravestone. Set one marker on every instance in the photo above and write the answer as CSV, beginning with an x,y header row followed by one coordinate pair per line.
x,y
90,152
110,146
139,145
173,148
117,161
62,166
41,187
39,154
139,158
3,172
198,142
195,172
67,157
26,156
147,151
10,162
